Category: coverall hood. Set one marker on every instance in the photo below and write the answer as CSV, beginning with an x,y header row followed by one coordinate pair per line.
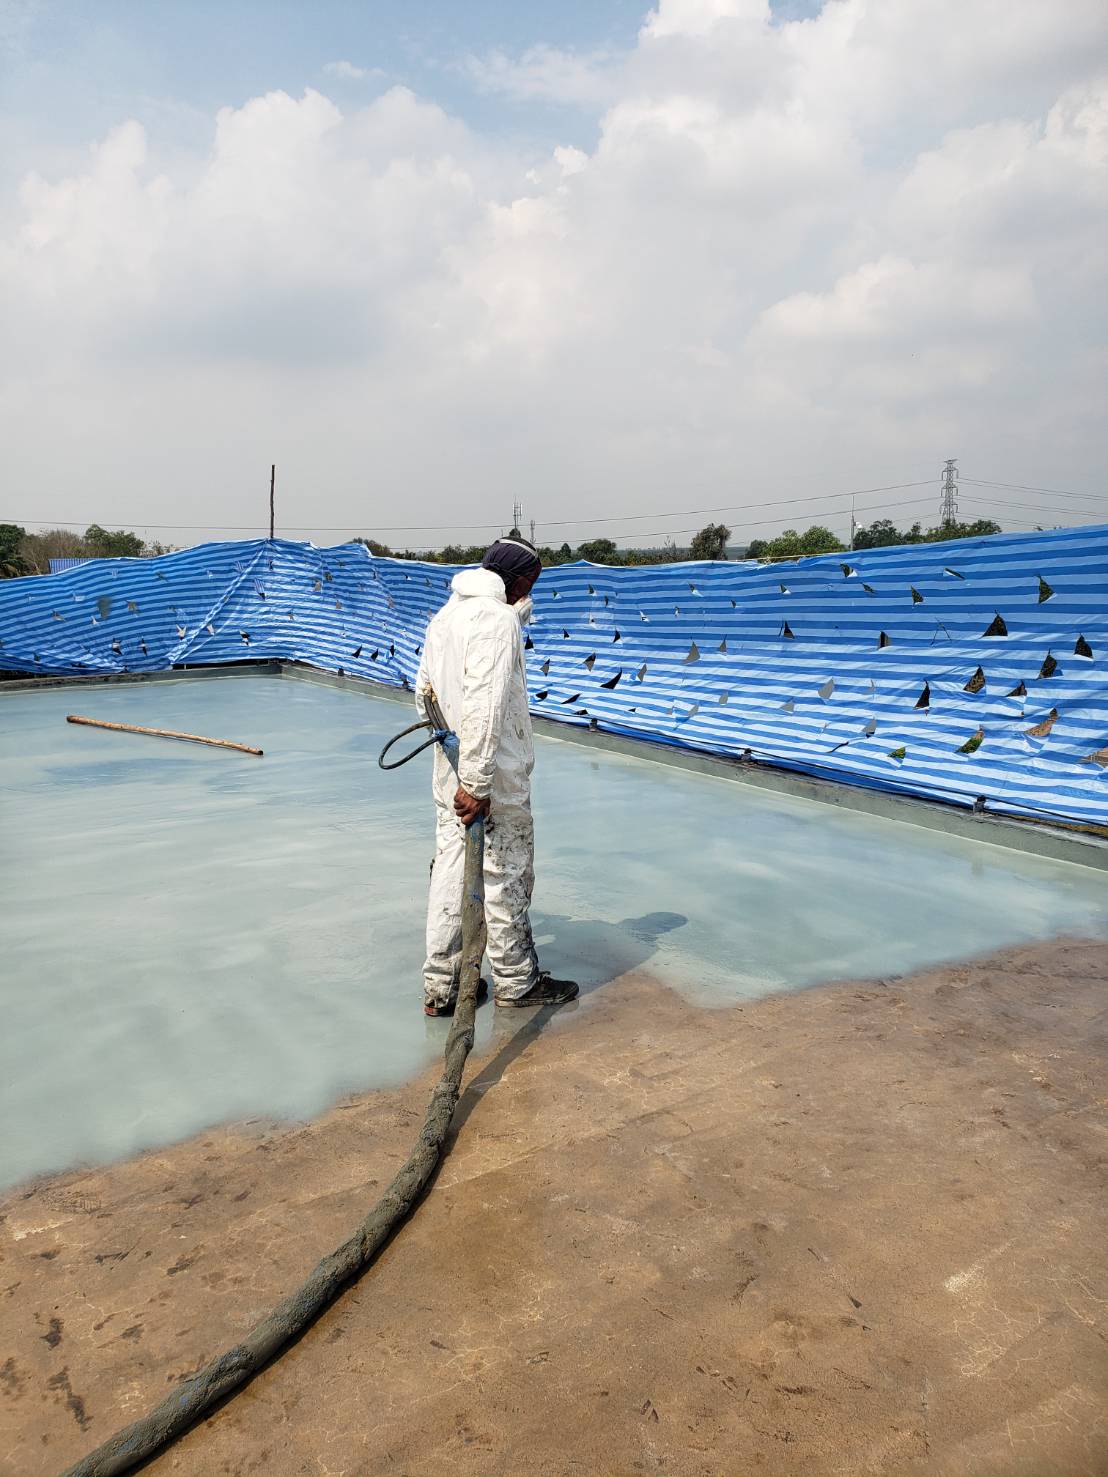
x,y
473,659
469,583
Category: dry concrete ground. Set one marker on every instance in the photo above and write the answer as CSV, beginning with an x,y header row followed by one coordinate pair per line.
x,y
855,1230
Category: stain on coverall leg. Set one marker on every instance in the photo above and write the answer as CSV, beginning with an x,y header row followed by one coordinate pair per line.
x,y
509,882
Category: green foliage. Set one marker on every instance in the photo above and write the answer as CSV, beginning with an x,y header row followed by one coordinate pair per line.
x,y
667,554
794,545
34,551
983,528
12,562
785,546
102,543
452,554
879,535
550,556
820,540
598,551
883,533
710,542
37,549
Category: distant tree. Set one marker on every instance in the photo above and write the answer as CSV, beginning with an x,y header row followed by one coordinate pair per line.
x,y
105,544
793,545
12,560
378,550
785,546
880,534
451,554
599,551
819,540
710,542
37,549
883,533
983,528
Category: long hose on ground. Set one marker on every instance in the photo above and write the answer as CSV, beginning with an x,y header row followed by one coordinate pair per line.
x,y
197,1395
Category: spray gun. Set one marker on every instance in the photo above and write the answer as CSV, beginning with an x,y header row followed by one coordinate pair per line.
x,y
473,881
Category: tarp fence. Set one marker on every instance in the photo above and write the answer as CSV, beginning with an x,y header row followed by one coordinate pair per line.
x,y
974,668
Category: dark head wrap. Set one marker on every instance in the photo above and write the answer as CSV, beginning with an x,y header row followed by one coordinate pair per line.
x,y
510,558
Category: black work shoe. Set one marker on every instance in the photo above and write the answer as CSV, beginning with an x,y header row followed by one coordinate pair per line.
x,y
545,991
430,1007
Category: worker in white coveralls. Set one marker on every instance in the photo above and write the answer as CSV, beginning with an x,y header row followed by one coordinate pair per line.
x,y
473,662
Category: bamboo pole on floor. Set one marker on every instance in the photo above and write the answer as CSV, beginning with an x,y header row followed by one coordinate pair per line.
x,y
194,738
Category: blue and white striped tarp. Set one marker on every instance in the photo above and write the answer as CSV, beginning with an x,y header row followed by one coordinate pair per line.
x,y
976,668
59,566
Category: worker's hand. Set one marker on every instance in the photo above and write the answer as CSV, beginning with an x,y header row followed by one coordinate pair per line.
x,y
467,807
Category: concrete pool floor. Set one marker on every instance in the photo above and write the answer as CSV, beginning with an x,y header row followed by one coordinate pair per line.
x,y
849,1228
853,1229
193,936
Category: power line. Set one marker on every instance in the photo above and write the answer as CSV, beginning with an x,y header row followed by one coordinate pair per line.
x,y
1057,509
614,518
1024,487
752,523
671,533
463,527
630,533
737,507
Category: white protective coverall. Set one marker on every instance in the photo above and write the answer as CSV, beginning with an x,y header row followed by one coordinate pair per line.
x,y
473,661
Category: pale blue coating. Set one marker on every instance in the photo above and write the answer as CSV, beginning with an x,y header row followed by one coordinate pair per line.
x,y
193,936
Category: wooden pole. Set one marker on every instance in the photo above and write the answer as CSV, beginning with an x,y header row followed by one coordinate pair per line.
x,y
194,738
272,481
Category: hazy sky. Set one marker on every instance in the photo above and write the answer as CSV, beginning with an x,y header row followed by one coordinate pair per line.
x,y
611,261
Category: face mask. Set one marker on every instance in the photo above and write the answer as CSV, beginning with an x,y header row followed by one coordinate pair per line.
x,y
525,609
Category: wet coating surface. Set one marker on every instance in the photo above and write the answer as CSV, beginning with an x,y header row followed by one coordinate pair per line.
x,y
848,1230
194,936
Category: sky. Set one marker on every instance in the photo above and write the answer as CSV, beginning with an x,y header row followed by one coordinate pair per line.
x,y
622,265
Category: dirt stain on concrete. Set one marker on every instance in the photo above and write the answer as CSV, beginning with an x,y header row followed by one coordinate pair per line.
x,y
792,1236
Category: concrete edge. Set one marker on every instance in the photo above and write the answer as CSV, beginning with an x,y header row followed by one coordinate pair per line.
x,y
112,679
1011,833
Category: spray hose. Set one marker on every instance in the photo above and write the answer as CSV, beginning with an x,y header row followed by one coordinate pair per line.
x,y
197,1395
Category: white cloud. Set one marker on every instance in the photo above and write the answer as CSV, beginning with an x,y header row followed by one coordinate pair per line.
x,y
701,17
797,257
548,74
347,72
